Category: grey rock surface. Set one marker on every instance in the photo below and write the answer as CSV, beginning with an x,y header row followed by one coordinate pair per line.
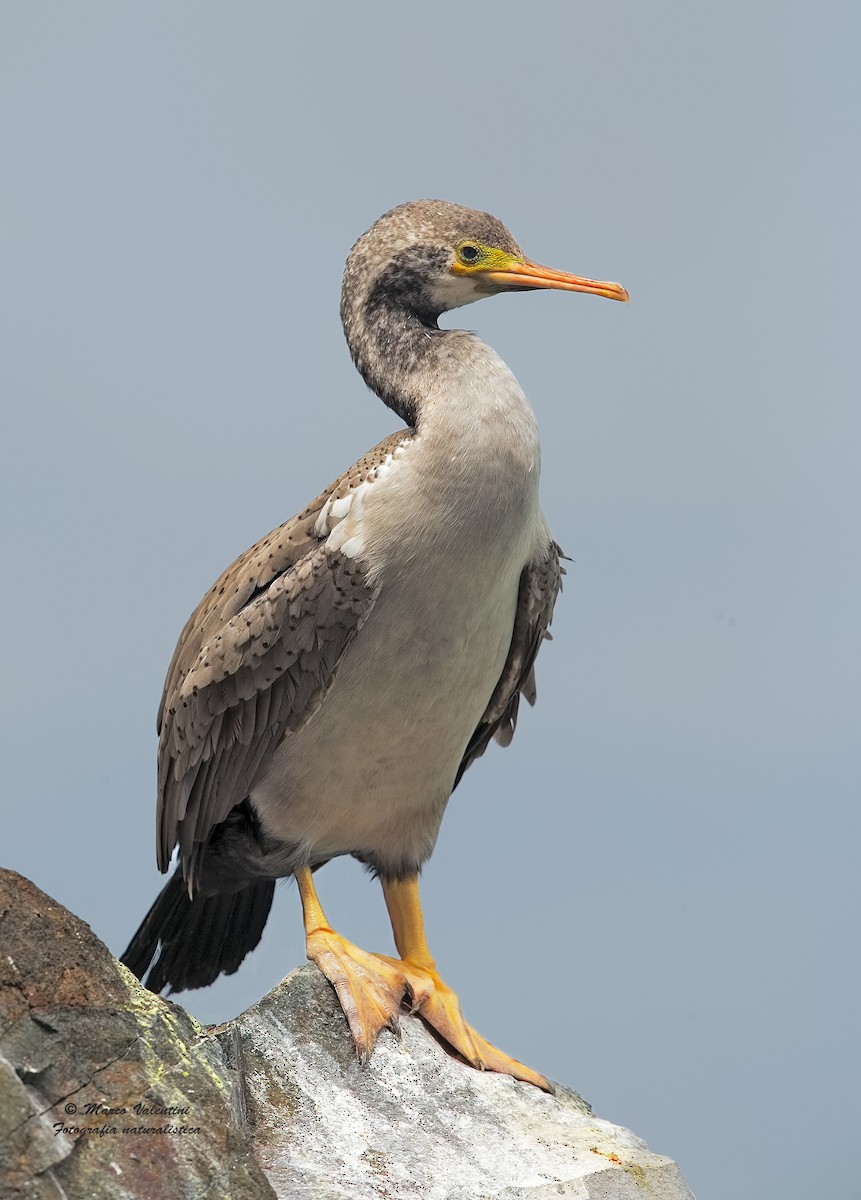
x,y
415,1122
280,1105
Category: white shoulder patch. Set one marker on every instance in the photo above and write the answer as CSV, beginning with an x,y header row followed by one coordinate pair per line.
x,y
321,525
335,512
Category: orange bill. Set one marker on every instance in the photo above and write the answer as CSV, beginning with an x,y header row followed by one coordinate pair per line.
x,y
530,275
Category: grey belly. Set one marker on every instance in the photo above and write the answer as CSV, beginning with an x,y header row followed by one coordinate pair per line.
x,y
371,772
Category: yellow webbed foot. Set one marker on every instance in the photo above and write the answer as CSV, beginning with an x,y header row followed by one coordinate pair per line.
x,y
439,1007
369,990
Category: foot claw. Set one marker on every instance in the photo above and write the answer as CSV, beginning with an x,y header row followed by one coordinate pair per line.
x,y
439,1007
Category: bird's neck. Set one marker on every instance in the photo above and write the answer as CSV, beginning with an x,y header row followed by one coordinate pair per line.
x,y
480,451
443,382
395,350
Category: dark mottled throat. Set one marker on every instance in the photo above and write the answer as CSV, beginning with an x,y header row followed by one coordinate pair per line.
x,y
390,323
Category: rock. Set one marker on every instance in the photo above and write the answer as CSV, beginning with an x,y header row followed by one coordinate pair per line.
x,y
416,1122
78,1035
272,1104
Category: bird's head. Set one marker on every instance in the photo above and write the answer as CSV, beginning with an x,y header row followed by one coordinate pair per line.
x,y
418,261
428,256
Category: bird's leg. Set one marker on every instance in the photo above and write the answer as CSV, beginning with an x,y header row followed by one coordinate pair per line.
x,y
434,1001
370,989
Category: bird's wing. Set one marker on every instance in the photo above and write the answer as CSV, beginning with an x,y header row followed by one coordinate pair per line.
x,y
540,584
255,659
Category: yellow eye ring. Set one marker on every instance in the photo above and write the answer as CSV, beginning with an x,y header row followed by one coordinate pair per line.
x,y
468,253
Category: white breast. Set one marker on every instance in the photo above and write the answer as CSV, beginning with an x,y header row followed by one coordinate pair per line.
x,y
446,526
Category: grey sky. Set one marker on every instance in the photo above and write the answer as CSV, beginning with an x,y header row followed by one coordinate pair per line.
x,y
653,894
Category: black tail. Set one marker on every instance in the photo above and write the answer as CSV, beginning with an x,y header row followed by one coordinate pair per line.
x,y
195,941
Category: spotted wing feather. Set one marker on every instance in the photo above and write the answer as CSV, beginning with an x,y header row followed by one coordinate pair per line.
x,y
254,661
540,584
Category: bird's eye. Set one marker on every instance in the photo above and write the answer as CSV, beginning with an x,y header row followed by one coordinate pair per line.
x,y
469,253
